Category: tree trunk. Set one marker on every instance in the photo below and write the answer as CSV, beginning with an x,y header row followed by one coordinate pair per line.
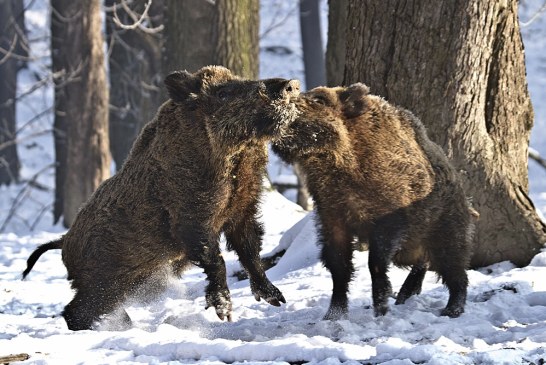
x,y
335,50
135,76
237,36
311,40
200,33
81,104
459,66
11,38
188,35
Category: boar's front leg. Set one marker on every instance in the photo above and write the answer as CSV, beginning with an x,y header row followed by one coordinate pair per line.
x,y
337,257
385,239
245,237
204,251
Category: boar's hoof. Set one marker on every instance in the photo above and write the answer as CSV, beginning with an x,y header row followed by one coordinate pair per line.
x,y
336,314
452,312
221,301
268,292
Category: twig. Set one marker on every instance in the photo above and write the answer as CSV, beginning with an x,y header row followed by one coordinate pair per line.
x,y
9,53
33,119
41,213
21,194
272,26
534,155
20,140
138,20
534,17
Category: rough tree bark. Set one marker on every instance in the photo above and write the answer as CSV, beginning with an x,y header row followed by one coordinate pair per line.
x,y
135,75
187,35
459,66
81,104
335,49
11,38
237,23
199,33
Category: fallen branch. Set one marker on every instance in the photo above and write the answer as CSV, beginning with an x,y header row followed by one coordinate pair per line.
x,y
12,358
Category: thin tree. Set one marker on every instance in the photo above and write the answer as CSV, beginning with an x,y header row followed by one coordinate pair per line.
x,y
12,55
459,66
134,56
81,104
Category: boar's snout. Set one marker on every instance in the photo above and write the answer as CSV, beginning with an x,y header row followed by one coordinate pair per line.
x,y
282,89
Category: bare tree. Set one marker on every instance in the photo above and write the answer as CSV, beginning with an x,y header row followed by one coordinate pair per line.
x,y
460,67
135,71
81,104
12,54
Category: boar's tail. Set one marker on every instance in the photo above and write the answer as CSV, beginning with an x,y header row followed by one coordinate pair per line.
x,y
53,245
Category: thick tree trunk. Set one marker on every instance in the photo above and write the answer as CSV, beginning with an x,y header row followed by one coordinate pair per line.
x,y
236,36
188,35
199,33
135,76
81,103
459,66
11,37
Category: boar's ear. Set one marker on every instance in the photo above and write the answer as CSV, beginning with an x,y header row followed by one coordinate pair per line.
x,y
181,85
353,100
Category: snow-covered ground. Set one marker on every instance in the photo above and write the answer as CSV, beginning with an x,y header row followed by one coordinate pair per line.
x,y
504,322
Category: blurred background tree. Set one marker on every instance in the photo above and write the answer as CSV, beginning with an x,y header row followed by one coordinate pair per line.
x,y
81,104
13,43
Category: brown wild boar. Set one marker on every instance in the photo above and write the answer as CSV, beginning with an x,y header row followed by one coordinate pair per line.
x,y
194,172
375,175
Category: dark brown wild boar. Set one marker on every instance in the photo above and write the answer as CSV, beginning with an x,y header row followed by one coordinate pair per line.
x,y
194,172
375,175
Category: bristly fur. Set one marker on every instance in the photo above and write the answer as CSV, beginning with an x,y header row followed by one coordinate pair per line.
x,y
194,172
375,175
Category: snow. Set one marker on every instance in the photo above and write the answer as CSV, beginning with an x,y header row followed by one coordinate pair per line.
x,y
504,321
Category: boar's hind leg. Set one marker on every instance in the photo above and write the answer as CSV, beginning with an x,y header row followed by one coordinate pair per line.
x,y
413,283
88,306
337,257
246,239
385,239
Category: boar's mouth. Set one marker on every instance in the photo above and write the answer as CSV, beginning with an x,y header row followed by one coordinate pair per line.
x,y
279,95
279,90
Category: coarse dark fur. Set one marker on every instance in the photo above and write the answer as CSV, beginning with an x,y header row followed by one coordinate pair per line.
x,y
194,172
375,175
